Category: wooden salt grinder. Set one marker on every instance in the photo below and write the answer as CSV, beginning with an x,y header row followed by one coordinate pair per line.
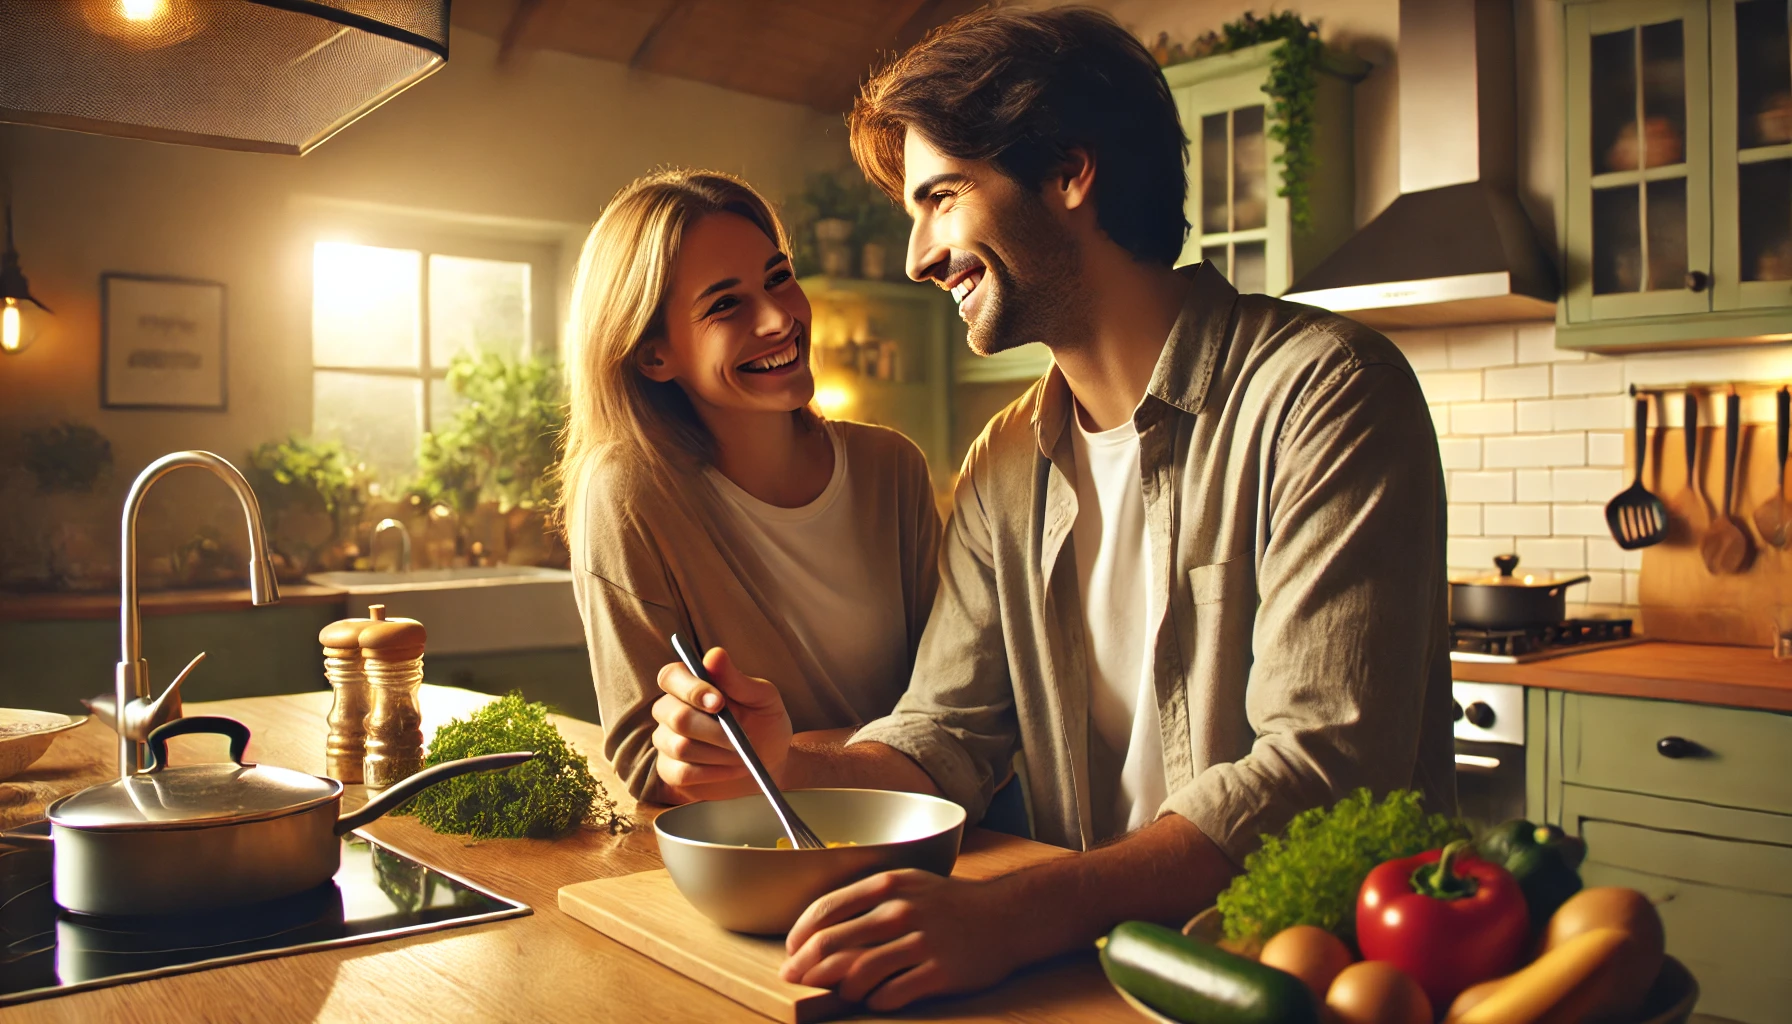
x,y
392,658
346,745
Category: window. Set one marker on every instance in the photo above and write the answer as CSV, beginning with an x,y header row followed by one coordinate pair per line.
x,y
386,323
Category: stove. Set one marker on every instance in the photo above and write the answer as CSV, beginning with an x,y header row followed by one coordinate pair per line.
x,y
378,894
1535,643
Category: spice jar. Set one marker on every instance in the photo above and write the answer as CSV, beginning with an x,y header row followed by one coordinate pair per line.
x,y
346,744
392,659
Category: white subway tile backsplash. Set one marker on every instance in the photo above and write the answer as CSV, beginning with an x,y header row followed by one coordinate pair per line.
x,y
1451,385
1599,485
1604,553
1472,348
1552,554
1517,382
1465,520
1424,350
1605,412
1593,377
1480,487
1518,520
1481,418
1537,344
1633,587
1536,416
1476,554
1460,452
1580,521
1605,588
1605,449
1534,485
1535,451
1440,418
1751,363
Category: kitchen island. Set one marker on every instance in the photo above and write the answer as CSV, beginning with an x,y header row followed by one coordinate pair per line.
x,y
545,966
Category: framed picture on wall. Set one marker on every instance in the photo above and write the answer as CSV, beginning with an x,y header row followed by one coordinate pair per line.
x,y
161,343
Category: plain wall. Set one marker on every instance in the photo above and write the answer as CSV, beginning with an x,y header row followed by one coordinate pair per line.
x,y
535,148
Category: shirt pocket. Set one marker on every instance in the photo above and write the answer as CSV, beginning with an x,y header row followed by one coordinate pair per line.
x,y
1212,584
1224,599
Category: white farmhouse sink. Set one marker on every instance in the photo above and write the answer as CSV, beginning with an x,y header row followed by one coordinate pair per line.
x,y
473,610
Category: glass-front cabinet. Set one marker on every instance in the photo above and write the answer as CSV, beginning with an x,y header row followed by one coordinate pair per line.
x,y
1678,212
1238,218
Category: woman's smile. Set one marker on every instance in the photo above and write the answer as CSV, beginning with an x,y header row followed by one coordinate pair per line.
x,y
788,358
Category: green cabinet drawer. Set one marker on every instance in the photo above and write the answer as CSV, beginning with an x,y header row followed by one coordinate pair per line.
x,y
1739,759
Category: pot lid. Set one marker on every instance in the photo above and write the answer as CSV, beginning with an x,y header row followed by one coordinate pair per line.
x,y
1509,577
219,793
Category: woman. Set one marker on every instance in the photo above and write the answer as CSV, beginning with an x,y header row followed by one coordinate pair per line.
x,y
702,495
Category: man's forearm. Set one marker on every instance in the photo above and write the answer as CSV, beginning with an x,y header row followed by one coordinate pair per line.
x,y
821,759
1167,871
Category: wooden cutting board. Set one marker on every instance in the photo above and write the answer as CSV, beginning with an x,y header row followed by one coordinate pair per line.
x,y
645,912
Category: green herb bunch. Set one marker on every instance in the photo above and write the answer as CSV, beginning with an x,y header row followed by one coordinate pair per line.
x,y
1293,89
548,796
1311,874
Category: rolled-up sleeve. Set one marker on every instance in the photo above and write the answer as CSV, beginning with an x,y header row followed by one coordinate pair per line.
x,y
1350,581
956,719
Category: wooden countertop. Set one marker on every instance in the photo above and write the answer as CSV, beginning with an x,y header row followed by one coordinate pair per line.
x,y
1742,677
545,966
24,607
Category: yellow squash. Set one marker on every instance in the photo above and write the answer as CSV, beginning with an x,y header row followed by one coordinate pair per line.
x,y
1566,984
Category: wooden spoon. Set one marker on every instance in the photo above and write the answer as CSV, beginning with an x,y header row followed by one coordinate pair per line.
x,y
1726,547
1773,518
1688,512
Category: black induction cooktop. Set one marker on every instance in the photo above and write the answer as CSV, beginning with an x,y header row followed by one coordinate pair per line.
x,y
379,893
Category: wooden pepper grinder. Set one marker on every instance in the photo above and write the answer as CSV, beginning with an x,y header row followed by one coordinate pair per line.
x,y
347,743
392,658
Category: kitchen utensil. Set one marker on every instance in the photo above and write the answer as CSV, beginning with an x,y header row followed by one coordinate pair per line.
x,y
1689,506
1773,517
801,836
205,836
392,660
26,735
1636,517
346,744
1726,547
1507,601
723,858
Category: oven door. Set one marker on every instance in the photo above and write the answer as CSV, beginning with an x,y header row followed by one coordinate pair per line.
x,y
1489,782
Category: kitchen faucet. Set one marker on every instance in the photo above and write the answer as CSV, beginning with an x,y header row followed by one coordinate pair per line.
x,y
131,712
404,542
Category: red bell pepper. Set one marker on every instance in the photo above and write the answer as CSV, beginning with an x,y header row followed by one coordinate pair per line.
x,y
1445,917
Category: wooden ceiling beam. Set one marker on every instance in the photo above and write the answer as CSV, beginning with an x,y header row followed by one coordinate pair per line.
x,y
644,49
528,17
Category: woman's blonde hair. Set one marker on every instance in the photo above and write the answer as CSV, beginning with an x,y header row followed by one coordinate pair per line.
x,y
618,304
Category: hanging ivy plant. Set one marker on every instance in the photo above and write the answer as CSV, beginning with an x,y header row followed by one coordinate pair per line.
x,y
1293,89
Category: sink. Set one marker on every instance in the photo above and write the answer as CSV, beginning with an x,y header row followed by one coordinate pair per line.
x,y
475,609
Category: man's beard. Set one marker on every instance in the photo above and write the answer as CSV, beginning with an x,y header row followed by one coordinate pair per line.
x,y
1035,295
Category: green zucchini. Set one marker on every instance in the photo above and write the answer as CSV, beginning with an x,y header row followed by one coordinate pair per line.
x,y
1201,984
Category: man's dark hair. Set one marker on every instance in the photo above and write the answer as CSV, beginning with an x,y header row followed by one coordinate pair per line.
x,y
1020,89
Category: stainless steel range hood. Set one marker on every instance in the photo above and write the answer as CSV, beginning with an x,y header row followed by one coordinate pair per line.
x,y
1456,247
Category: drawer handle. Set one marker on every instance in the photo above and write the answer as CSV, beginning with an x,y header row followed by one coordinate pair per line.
x,y
1676,748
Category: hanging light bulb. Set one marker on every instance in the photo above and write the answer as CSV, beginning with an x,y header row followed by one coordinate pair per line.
x,y
20,315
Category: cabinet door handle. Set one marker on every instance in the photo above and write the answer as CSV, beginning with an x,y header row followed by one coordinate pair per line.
x,y
1676,747
1697,280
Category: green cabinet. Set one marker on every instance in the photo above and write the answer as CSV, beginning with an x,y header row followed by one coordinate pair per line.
x,y
1677,212
1238,220
1706,833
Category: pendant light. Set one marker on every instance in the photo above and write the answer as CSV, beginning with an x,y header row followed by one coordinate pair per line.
x,y
19,322
268,76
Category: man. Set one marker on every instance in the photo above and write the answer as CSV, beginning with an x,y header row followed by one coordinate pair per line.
x,y
1196,573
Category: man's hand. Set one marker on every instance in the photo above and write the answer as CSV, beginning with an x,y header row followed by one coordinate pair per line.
x,y
903,935
695,758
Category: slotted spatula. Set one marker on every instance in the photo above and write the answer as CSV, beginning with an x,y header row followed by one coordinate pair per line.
x,y
1636,517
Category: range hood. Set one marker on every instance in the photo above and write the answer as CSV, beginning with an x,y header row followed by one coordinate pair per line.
x,y
1456,247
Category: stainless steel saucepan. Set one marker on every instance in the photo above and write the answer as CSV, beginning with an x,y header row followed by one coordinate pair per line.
x,y
206,836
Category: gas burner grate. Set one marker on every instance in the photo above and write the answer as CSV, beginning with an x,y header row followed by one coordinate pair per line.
x,y
1519,642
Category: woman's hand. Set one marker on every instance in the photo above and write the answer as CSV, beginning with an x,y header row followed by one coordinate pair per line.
x,y
695,758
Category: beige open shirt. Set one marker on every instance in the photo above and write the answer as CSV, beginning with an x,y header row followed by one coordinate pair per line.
x,y
1294,505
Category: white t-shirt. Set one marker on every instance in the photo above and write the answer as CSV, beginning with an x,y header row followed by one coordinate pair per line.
x,y
1113,563
817,573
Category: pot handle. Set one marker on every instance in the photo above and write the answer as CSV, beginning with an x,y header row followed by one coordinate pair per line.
x,y
406,788
237,731
1565,584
